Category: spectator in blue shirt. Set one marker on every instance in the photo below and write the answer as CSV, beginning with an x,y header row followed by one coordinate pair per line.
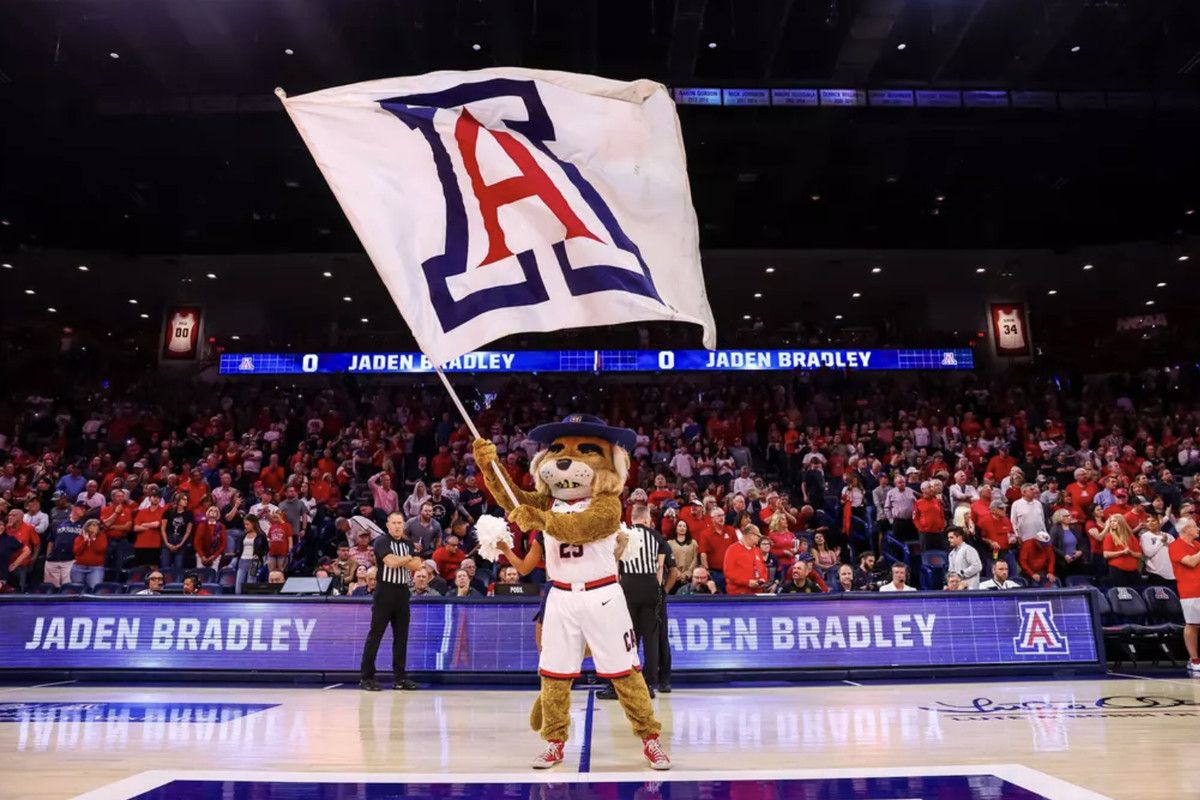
x,y
72,483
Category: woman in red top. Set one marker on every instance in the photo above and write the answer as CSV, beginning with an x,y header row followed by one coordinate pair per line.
x,y
210,539
783,544
89,547
1122,551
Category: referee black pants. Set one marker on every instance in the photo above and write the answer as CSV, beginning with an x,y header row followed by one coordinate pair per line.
x,y
642,597
390,607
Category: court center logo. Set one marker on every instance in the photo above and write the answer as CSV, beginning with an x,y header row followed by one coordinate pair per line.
x,y
521,149
1039,635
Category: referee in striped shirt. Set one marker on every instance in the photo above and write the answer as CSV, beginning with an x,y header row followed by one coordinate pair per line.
x,y
641,578
395,560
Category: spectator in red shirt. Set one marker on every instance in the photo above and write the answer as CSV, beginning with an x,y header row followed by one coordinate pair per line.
x,y
89,548
714,543
996,531
279,542
1081,493
745,571
1185,559
1001,463
929,518
449,557
1123,552
1037,560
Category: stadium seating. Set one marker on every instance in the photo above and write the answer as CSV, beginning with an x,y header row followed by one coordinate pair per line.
x,y
933,569
109,587
44,588
72,588
227,580
1131,610
1080,580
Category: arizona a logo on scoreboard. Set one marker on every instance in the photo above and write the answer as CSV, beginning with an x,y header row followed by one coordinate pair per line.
x,y
1039,635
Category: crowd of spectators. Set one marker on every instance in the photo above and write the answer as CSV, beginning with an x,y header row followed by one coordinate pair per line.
x,y
808,483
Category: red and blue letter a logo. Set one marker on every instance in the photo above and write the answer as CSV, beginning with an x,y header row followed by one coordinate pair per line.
x,y
1039,635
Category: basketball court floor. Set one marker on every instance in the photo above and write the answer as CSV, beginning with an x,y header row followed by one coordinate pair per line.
x,y
1118,737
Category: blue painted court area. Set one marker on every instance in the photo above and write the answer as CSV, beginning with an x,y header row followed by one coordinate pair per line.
x,y
942,787
180,713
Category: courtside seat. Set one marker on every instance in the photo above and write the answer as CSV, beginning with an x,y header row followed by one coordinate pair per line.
x,y
206,574
933,569
1080,580
227,580
1163,606
44,588
109,587
72,588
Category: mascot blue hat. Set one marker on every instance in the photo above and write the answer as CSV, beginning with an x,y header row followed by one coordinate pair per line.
x,y
584,425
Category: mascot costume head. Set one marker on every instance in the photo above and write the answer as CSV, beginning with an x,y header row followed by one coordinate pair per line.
x,y
578,478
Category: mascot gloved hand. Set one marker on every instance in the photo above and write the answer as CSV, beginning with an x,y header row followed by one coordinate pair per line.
x,y
579,475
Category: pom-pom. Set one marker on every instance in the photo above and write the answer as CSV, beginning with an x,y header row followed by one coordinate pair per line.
x,y
635,545
489,532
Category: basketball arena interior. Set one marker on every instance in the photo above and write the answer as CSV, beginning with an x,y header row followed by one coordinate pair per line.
x,y
582,399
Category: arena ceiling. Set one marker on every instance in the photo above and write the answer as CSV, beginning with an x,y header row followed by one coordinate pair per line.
x,y
148,126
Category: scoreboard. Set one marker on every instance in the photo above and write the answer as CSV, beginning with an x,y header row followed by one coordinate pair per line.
x,y
528,361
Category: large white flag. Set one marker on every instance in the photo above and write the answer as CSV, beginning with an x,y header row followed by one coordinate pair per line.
x,y
510,200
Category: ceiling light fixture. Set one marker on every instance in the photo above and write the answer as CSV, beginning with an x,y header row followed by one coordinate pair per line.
x,y
745,316
6,265
477,47
1190,212
1149,302
236,338
1052,292
940,198
1161,284
83,268
712,45
1075,49
52,309
980,270
856,295
770,270
837,316
1087,267
347,298
327,274
5,222
287,51
1184,258
876,270
29,291
364,319
144,316
757,295
114,56
902,46
212,276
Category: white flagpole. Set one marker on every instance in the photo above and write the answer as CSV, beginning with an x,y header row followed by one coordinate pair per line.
x,y
475,432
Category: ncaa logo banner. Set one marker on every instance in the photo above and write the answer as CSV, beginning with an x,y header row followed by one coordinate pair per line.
x,y
504,201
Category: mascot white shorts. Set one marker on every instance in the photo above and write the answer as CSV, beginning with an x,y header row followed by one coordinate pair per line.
x,y
597,618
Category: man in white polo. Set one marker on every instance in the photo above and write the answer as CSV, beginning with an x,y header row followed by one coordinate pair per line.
x,y
1028,515
1185,558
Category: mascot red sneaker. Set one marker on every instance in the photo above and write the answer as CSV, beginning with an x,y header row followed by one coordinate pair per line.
x,y
579,475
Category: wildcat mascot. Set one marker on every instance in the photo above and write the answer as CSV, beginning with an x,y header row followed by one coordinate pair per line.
x,y
579,475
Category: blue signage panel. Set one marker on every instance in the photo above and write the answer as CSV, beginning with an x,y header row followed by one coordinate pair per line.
x,y
895,98
747,97
1047,101
939,98
794,97
843,97
598,361
698,97
985,99
769,633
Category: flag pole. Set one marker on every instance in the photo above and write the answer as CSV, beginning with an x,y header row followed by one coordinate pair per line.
x,y
475,432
